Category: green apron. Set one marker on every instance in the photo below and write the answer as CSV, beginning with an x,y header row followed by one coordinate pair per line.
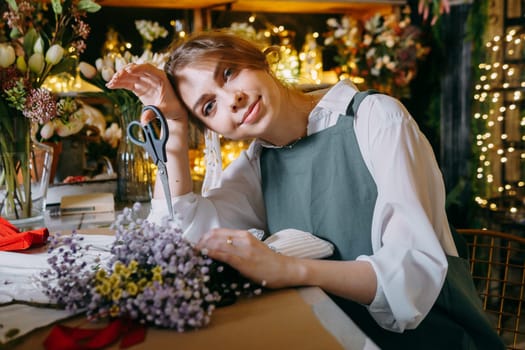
x,y
309,185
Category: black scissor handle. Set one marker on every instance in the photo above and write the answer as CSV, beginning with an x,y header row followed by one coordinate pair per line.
x,y
152,136
158,133
136,133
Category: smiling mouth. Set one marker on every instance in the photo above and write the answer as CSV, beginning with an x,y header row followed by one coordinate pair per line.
x,y
251,112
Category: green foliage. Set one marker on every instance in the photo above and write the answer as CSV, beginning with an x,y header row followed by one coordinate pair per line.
x,y
476,28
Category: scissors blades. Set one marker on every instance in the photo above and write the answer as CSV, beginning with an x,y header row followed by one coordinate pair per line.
x,y
163,174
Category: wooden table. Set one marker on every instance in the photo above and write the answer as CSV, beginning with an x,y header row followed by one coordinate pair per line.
x,y
302,318
296,318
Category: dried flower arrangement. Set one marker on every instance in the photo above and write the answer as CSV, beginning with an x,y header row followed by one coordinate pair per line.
x,y
153,276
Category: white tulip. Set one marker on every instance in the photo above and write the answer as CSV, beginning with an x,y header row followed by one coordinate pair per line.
x,y
128,56
112,135
120,62
36,63
87,70
345,22
99,64
54,54
7,55
367,40
107,73
39,45
108,62
47,130
73,126
332,22
94,117
391,66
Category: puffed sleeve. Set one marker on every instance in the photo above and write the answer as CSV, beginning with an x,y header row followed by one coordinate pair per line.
x,y
410,232
236,203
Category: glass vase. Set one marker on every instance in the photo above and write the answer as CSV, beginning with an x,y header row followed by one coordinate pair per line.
x,y
134,167
24,171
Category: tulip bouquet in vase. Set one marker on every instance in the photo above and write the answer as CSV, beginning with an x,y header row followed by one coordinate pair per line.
x,y
38,39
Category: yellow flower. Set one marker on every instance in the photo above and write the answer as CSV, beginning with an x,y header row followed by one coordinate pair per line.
x,y
156,269
157,277
101,275
133,265
103,288
132,289
114,280
118,267
157,274
142,283
117,294
114,311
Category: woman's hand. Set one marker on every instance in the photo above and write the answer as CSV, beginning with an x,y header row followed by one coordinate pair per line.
x,y
152,87
438,8
251,257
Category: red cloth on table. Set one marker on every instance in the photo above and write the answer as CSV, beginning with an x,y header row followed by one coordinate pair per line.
x,y
11,238
76,338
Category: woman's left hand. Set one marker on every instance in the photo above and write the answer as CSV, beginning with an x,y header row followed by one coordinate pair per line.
x,y
251,257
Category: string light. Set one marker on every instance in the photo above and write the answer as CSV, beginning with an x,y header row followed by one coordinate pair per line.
x,y
501,126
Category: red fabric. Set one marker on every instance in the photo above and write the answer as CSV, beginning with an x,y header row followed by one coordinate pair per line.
x,y
12,239
74,338
7,227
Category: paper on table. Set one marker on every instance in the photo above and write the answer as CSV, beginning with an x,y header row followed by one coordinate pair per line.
x,y
18,274
18,270
17,320
87,203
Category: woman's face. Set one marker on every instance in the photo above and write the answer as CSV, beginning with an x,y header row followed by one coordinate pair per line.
x,y
237,103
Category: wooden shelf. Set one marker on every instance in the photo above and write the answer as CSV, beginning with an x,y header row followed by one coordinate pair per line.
x,y
312,6
168,4
280,6
202,8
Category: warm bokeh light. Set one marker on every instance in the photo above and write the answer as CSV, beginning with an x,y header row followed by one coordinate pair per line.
x,y
499,123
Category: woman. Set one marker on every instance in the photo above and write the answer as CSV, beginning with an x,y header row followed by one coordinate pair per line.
x,y
348,167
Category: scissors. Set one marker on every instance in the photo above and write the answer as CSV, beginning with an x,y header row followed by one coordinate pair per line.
x,y
153,137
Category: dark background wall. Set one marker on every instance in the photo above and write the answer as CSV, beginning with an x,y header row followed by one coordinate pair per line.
x,y
123,21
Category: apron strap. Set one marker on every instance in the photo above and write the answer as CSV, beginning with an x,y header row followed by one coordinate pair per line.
x,y
359,96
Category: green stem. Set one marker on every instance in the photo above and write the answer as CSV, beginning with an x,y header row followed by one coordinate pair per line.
x,y
15,149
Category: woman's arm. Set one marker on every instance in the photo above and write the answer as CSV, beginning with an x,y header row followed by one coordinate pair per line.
x,y
353,280
237,203
410,232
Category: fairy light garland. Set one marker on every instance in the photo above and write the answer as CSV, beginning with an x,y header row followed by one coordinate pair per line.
x,y
499,114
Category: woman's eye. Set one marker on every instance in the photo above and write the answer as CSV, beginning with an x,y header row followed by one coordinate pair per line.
x,y
228,72
208,108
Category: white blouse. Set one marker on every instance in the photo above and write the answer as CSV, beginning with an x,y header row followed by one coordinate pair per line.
x,y
410,232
